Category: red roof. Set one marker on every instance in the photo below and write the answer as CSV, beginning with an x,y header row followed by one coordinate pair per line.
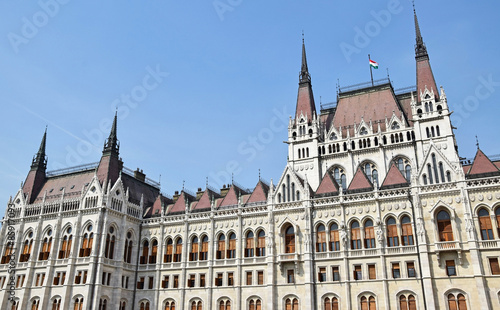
x,y
231,197
425,78
360,181
71,183
205,200
394,177
180,204
375,105
482,164
259,193
305,102
328,185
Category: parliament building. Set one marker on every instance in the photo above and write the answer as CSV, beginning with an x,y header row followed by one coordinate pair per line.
x,y
374,210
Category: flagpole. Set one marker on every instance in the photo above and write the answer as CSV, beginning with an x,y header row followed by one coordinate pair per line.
x,y
371,74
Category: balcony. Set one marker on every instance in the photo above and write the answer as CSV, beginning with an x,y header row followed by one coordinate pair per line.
x,y
401,250
488,244
447,246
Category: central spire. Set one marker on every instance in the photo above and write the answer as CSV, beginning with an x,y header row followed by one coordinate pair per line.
x,y
112,146
305,99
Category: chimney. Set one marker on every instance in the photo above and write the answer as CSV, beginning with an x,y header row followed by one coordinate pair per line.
x,y
224,190
199,193
139,175
176,196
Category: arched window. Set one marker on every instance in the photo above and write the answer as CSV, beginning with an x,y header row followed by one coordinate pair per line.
x,y
334,237
290,240
144,305
485,225
261,243
403,304
408,173
371,303
429,171
231,251
458,302
433,133
193,255
321,239
9,249
127,252
424,177
369,235
123,305
434,164
438,133
355,236
331,304
78,304
250,244
178,251
392,233
103,303
170,251
497,215
293,191
406,231
88,239
109,248
154,252
66,244
364,303
35,304
427,132
15,304
27,247
170,305
444,226
441,171
221,247
204,248
448,176
145,252
299,153
46,246
251,305
56,304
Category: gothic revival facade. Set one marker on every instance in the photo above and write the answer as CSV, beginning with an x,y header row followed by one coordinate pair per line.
x,y
374,210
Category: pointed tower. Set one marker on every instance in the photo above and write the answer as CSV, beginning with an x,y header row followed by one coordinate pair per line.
x,y
305,99
110,164
425,77
304,130
36,177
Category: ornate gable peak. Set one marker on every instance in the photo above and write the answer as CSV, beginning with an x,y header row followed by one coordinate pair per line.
x,y
439,154
359,129
427,93
395,119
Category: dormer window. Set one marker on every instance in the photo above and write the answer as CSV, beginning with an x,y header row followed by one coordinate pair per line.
x,y
395,126
363,131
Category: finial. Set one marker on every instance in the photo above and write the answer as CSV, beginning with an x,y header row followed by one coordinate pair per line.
x,y
207,183
387,73
302,36
232,178
259,174
183,184
477,142
413,2
159,179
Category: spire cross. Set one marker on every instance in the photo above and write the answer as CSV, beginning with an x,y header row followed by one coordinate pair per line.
x,y
259,174
477,142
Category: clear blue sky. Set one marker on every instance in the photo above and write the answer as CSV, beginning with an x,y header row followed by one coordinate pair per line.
x,y
226,72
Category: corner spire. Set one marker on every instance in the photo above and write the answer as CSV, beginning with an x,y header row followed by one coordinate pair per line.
x,y
40,159
304,71
112,146
420,49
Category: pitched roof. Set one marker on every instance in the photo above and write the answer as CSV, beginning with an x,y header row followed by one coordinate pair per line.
x,y
259,193
232,195
482,165
375,104
157,206
205,201
327,186
71,183
360,182
394,178
180,205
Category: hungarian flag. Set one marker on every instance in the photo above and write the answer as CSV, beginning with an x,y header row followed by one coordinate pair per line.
x,y
373,64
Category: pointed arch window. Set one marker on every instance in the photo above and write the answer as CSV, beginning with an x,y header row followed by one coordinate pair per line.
x,y
78,304
355,236
27,247
110,243
331,303
231,251
154,252
127,252
193,255
261,243
204,248
369,235
334,237
170,305
290,240
444,226
497,216
406,231
221,247
321,239
392,233
56,304
103,303
145,252
485,225
35,304
407,304
46,246
249,244
87,242
178,251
